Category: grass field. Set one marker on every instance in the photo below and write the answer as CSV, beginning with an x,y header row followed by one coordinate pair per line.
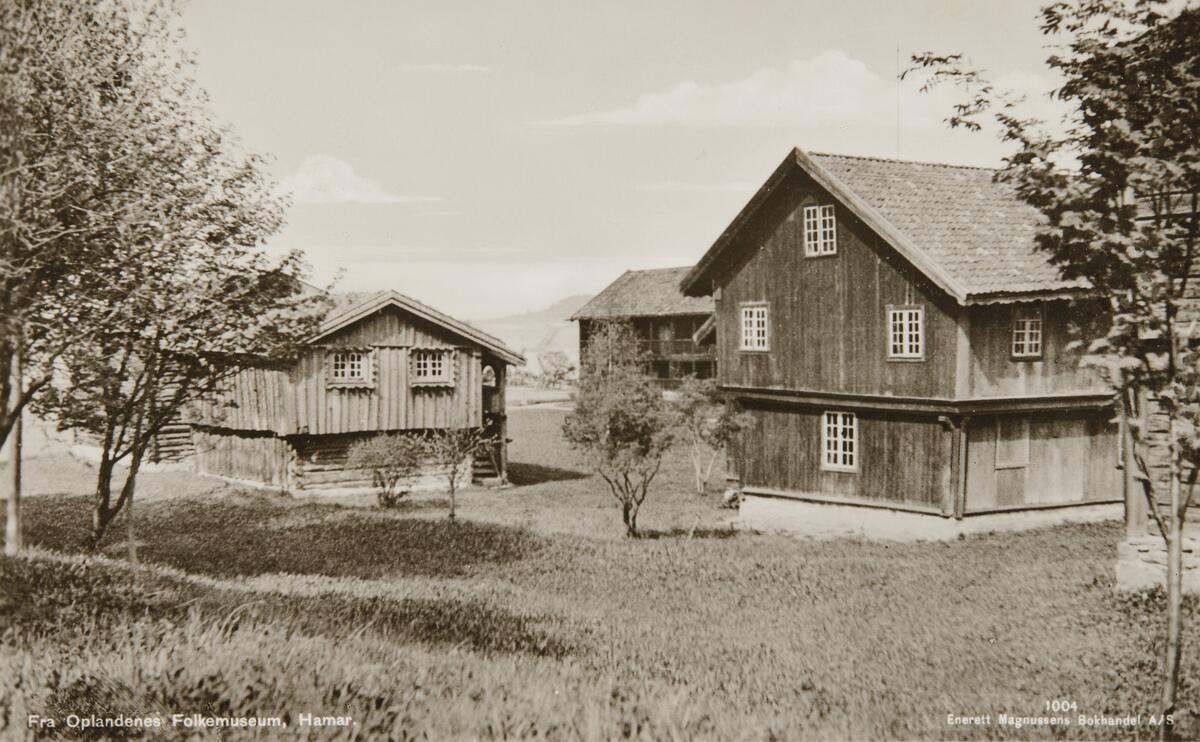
x,y
534,617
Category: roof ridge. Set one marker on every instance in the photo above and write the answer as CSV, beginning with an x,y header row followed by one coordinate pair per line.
x,y
905,162
658,270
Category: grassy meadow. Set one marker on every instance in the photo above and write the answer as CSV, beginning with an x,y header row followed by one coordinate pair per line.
x,y
534,617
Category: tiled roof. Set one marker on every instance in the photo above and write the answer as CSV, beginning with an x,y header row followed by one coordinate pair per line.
x,y
975,229
645,293
971,236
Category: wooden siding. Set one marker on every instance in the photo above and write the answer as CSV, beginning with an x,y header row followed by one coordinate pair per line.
x,y
827,315
300,401
1071,459
245,456
994,372
901,460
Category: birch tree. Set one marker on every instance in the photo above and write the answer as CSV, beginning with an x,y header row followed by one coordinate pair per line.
x,y
1117,183
170,292
70,124
706,424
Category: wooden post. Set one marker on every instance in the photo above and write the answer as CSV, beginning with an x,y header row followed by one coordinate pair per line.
x,y
12,530
960,496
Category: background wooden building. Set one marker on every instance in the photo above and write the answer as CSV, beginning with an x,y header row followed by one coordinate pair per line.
x,y
674,330
380,363
901,343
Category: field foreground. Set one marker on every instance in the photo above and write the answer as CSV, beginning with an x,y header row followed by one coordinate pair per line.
x,y
515,622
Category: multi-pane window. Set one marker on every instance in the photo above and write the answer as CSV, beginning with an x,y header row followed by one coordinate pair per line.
x,y
1027,332
349,365
839,439
906,331
755,327
820,231
431,366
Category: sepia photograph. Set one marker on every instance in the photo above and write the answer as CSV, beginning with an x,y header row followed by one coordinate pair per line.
x,y
560,370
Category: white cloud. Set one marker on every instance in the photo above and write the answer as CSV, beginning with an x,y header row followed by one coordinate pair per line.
x,y
828,91
325,179
439,67
677,186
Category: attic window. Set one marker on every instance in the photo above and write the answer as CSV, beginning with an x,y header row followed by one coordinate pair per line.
x,y
432,367
820,231
1027,332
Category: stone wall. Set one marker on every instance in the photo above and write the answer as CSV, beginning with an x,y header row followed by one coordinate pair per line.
x,y
1142,563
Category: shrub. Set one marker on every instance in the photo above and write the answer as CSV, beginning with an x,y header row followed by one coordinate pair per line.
x,y
393,460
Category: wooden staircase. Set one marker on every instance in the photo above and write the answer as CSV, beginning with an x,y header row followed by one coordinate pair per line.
x,y
483,472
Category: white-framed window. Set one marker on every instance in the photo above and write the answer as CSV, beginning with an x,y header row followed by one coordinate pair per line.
x,y
820,231
906,332
431,366
755,327
1027,332
839,441
349,365
1012,442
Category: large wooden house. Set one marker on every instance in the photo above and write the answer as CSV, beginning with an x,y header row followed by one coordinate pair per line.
x,y
675,331
901,345
380,363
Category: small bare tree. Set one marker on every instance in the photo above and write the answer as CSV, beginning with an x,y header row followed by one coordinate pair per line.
x,y
706,423
393,461
453,449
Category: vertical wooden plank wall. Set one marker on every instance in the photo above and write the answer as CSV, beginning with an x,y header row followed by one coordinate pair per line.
x,y
994,372
301,402
1072,459
902,460
827,315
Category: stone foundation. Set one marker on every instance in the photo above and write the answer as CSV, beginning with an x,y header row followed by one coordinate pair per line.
x,y
1142,564
828,520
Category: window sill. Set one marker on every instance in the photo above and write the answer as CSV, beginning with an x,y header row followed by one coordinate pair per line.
x,y
821,255
839,469
1026,359
350,385
901,359
754,350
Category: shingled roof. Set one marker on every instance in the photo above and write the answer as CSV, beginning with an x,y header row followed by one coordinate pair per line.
x,y
969,234
649,293
350,307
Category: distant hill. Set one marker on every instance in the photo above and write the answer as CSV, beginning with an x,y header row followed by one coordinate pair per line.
x,y
534,333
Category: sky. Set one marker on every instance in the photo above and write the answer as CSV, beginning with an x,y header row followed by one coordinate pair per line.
x,y
490,158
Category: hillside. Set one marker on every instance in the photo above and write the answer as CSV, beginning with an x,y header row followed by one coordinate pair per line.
x,y
534,333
